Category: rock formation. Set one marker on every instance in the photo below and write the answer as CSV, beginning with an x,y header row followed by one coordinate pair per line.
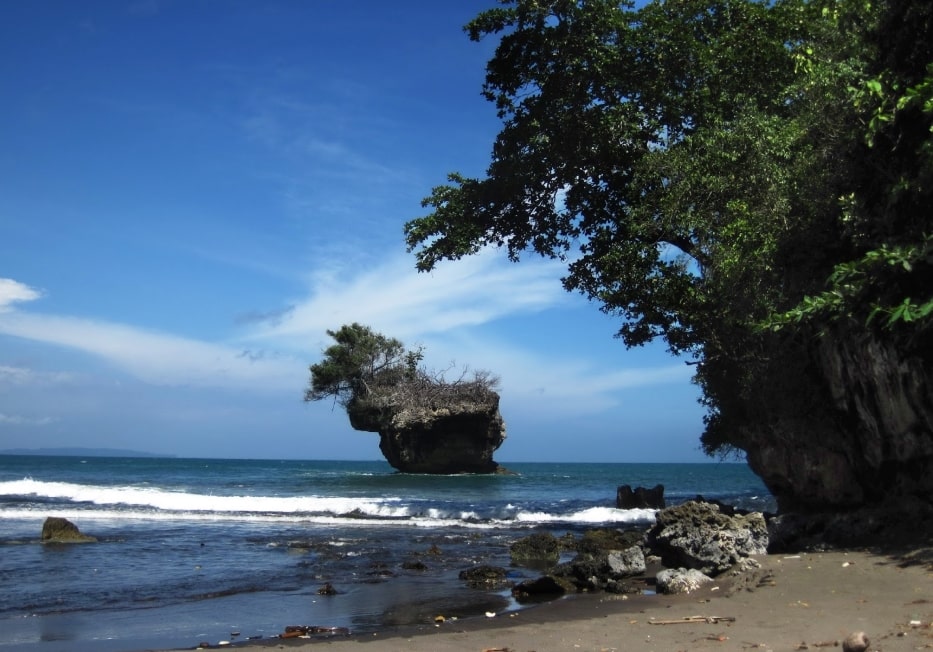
x,y
640,497
694,542
696,535
843,421
61,530
449,430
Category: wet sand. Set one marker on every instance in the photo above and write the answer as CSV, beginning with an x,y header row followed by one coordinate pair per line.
x,y
810,601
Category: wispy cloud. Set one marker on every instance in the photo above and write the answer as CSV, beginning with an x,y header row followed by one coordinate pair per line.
x,y
159,358
274,317
393,298
12,292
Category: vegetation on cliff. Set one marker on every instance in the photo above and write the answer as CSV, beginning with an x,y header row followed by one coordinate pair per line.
x,y
380,382
749,181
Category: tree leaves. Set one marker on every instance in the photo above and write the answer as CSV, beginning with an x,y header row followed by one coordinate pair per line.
x,y
357,358
726,175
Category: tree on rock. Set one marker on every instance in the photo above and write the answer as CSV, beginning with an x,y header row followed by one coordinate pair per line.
x,y
426,423
358,360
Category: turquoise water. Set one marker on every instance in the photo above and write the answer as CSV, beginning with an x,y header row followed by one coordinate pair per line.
x,y
196,549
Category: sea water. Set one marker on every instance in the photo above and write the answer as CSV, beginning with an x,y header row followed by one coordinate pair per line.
x,y
195,550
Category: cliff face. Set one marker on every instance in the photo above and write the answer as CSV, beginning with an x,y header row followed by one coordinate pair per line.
x,y
872,438
453,436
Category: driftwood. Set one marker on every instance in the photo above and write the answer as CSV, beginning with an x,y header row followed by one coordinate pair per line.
x,y
694,619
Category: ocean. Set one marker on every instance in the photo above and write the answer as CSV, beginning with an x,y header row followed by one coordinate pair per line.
x,y
211,550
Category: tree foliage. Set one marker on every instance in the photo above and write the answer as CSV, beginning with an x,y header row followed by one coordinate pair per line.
x,y
727,175
355,362
365,370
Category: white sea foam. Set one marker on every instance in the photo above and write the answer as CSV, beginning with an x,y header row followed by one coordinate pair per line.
x,y
110,516
591,515
107,503
180,501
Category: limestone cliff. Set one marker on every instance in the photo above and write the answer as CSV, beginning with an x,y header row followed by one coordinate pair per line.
x,y
443,429
871,438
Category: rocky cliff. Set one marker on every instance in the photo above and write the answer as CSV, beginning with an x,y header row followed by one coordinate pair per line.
x,y
862,434
444,431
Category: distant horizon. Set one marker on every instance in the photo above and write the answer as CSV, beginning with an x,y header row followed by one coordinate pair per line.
x,y
77,451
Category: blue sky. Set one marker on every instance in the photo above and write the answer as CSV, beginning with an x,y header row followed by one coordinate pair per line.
x,y
192,192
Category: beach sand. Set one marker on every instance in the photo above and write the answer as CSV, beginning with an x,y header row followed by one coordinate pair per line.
x,y
810,601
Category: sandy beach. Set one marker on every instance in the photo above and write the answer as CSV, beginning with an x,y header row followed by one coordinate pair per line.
x,y
809,601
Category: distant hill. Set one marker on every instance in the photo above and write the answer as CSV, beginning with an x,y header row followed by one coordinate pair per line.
x,y
81,452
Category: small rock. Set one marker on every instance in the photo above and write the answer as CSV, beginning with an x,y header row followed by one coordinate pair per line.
x,y
856,642
538,549
546,585
414,565
61,530
680,580
484,574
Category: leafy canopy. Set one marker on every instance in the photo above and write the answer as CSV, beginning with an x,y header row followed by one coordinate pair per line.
x,y
653,141
727,175
355,361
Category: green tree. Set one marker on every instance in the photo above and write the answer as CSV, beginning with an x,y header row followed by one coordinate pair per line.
x,y
884,273
358,360
627,135
702,167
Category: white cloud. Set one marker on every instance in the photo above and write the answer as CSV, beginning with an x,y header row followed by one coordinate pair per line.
x,y
392,298
160,358
395,299
14,292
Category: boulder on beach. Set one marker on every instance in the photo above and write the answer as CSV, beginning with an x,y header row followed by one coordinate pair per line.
x,y
61,530
680,580
604,570
698,535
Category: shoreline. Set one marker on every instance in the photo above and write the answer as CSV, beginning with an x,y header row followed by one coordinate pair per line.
x,y
811,600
